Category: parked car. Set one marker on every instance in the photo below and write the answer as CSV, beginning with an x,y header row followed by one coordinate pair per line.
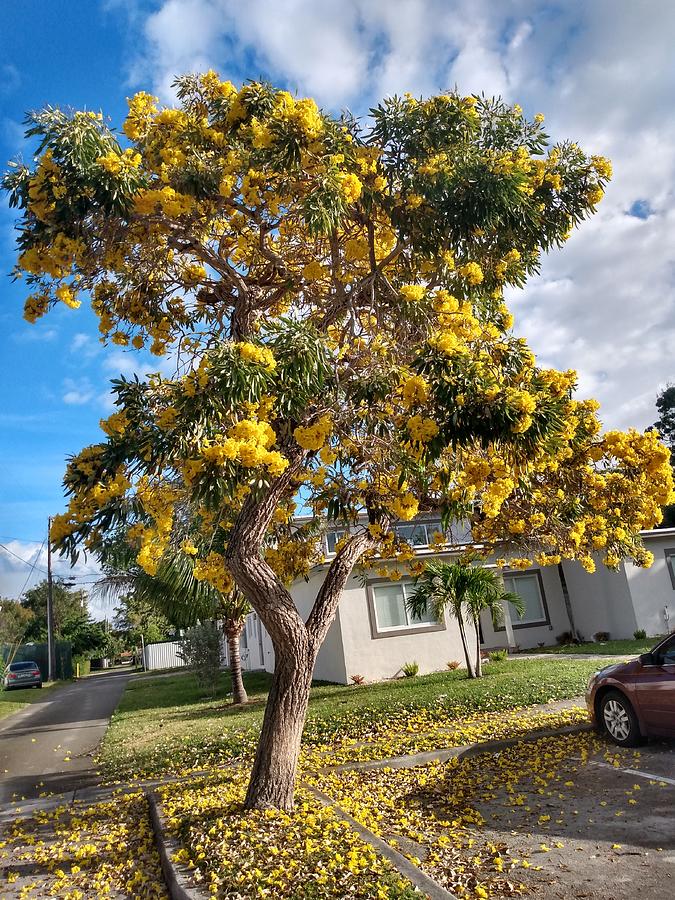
x,y
635,700
21,675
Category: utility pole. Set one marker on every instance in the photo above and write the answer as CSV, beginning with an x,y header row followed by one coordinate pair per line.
x,y
50,605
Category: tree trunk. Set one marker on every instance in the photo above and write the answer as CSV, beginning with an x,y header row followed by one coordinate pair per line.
x,y
233,630
296,643
272,782
479,661
568,603
465,645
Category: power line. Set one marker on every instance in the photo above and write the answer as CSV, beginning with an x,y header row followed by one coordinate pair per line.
x,y
21,559
37,556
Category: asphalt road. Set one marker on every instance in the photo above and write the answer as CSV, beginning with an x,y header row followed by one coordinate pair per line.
x,y
49,746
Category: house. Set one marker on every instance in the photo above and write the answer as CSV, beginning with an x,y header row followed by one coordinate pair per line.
x,y
373,636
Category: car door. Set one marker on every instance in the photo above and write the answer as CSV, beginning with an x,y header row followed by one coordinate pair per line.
x,y
655,690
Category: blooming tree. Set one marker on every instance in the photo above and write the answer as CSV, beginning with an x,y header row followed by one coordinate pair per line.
x,y
332,294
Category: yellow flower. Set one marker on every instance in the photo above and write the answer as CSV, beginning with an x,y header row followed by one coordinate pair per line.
x,y
412,292
471,272
66,295
257,354
351,187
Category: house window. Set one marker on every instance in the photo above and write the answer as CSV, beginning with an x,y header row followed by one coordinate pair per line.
x,y
418,534
332,539
530,589
670,563
390,610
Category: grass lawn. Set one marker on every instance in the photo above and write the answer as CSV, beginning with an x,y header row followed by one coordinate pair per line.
x,y
166,725
13,701
605,648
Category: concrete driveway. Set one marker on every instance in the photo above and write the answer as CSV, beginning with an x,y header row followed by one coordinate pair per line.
x,y
602,827
49,746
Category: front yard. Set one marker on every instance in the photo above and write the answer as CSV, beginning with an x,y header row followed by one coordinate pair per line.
x,y
605,648
546,816
165,725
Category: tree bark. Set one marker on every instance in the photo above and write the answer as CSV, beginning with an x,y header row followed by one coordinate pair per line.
x,y
479,661
465,645
296,644
233,630
272,781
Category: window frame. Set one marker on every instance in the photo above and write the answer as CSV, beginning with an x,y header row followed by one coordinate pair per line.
x,y
376,632
429,526
542,623
336,531
669,553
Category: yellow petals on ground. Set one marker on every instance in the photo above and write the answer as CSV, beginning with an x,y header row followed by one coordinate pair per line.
x,y
81,851
309,853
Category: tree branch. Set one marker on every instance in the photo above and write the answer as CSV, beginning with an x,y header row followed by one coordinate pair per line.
x,y
327,599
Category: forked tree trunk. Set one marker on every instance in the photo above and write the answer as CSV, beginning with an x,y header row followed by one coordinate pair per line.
x,y
479,661
233,630
272,782
296,643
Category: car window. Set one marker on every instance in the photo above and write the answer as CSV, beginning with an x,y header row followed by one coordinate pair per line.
x,y
20,666
667,652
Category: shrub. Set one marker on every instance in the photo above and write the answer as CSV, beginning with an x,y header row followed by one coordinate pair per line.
x,y
601,636
640,634
357,679
498,656
84,664
566,638
453,664
201,652
410,669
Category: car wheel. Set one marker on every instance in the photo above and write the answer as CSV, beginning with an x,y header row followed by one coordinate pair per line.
x,y
40,684
619,719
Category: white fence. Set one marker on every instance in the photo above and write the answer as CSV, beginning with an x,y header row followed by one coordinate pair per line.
x,y
163,656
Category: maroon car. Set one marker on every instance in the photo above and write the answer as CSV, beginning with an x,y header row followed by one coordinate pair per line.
x,y
636,699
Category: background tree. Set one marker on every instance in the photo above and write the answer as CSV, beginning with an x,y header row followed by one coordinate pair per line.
x,y
665,425
466,591
15,621
201,651
135,619
172,591
332,294
72,621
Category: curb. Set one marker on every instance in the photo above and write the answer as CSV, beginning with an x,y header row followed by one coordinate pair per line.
x,y
430,888
179,885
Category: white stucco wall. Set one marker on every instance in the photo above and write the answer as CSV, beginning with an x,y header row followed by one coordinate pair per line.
x,y
528,637
381,657
652,589
601,601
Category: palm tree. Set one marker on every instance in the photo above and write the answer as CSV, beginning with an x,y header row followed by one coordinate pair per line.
x,y
466,591
180,597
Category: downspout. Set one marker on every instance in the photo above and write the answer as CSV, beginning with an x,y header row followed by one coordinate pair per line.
x,y
568,603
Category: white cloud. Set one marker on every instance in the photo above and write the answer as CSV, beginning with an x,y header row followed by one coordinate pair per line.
x,y
84,346
602,73
29,335
77,393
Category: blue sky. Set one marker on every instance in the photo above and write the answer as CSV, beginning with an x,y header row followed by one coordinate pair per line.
x,y
602,73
